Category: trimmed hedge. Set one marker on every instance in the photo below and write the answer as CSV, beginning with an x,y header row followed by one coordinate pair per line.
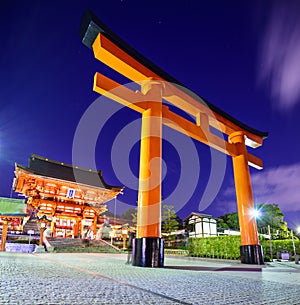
x,y
224,247
279,246
228,247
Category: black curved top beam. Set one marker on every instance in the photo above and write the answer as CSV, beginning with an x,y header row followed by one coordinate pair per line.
x,y
91,26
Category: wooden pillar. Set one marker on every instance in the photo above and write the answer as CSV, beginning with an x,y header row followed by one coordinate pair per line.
x,y
80,227
148,246
42,230
52,227
4,235
95,225
75,228
251,251
149,198
124,241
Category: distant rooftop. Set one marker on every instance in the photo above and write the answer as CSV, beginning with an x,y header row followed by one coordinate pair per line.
x,y
199,215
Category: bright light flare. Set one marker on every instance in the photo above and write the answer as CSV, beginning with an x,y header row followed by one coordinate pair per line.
x,y
255,213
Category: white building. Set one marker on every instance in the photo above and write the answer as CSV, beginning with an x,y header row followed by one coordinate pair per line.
x,y
201,225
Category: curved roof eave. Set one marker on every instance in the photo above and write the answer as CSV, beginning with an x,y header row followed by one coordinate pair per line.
x,y
53,169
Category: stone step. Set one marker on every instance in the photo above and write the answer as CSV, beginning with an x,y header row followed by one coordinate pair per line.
x,y
77,244
31,225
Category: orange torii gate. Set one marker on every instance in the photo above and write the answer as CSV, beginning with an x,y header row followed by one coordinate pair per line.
x,y
157,85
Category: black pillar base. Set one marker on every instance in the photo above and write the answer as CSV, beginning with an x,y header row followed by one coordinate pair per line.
x,y
148,252
252,254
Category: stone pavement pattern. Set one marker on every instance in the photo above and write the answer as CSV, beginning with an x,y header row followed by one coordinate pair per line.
x,y
70,278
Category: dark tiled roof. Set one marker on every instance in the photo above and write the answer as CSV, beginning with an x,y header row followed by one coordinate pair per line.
x,y
54,169
200,215
91,26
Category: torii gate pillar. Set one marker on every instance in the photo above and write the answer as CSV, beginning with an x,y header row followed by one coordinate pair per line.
x,y
118,55
148,248
251,250
4,235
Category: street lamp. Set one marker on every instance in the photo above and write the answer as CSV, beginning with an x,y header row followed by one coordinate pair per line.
x,y
294,248
255,213
43,221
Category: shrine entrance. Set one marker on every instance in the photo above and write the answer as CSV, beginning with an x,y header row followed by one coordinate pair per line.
x,y
65,200
155,86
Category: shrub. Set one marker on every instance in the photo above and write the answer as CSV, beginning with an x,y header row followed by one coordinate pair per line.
x,y
227,247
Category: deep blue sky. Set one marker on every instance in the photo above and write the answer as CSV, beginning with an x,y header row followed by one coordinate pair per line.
x,y
244,57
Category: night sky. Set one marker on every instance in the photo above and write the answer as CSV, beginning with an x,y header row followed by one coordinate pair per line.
x,y
242,56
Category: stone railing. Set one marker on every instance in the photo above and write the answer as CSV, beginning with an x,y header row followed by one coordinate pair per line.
x,y
176,252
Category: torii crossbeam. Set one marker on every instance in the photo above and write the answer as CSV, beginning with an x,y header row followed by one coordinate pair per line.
x,y
156,86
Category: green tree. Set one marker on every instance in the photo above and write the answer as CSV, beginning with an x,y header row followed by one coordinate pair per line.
x,y
108,214
230,221
130,215
222,223
272,216
169,221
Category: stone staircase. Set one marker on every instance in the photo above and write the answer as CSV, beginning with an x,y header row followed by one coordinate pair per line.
x,y
81,245
31,225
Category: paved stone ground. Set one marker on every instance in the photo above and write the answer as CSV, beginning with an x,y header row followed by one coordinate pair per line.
x,y
71,279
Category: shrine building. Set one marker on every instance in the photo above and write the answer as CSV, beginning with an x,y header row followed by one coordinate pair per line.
x,y
70,198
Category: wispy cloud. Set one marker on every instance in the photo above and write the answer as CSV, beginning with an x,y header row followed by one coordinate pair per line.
x,y
279,185
279,54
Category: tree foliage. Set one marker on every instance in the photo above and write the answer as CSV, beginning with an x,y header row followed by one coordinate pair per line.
x,y
169,219
130,215
272,219
229,221
270,215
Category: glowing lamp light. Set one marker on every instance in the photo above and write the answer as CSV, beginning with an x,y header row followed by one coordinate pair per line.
x,y
255,213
